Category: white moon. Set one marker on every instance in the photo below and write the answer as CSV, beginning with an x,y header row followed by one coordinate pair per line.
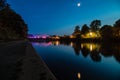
x,y
78,4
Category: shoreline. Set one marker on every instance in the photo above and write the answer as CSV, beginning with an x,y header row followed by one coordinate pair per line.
x,y
19,61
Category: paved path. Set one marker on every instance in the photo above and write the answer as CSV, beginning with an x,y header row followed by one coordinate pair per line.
x,y
19,61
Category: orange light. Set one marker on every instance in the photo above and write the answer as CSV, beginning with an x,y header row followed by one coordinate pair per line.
x,y
90,33
79,76
57,43
71,36
71,44
57,37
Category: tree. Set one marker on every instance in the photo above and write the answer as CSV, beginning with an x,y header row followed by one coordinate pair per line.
x,y
95,25
106,32
12,24
84,29
77,31
116,29
117,23
2,4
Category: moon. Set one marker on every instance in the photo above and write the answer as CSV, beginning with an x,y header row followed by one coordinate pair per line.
x,y
78,4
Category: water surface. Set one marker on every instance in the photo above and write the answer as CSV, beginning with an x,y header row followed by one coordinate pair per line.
x,y
81,61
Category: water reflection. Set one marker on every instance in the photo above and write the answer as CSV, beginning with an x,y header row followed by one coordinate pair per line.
x,y
94,50
56,43
81,61
45,44
78,76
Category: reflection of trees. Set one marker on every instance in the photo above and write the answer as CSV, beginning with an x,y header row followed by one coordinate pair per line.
x,y
106,50
85,51
95,56
92,49
112,49
117,52
77,48
95,50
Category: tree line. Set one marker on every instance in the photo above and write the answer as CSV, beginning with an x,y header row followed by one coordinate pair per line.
x,y
12,26
107,32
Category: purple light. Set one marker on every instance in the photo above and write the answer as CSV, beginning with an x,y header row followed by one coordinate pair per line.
x,y
43,44
37,36
44,37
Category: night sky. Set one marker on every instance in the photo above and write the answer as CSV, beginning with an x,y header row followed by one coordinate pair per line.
x,y
61,16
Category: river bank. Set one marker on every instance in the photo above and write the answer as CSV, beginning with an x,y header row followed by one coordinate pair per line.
x,y
19,61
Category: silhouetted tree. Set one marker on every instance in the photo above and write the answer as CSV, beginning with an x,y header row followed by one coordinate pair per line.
x,y
95,25
106,32
84,29
77,32
2,4
117,23
12,25
116,30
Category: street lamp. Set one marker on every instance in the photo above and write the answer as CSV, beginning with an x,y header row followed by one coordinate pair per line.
x,y
90,34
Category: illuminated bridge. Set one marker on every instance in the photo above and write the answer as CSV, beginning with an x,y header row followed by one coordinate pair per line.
x,y
38,36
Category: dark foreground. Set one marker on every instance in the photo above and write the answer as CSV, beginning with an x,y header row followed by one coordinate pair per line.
x,y
19,61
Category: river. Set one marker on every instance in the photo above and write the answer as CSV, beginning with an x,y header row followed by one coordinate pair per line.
x,y
81,61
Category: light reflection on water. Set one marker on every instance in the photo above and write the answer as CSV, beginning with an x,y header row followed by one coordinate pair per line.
x,y
79,76
81,61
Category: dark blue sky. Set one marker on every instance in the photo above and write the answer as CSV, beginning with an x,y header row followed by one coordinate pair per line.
x,y
61,16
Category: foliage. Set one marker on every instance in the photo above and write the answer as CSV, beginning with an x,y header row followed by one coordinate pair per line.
x,y
95,25
2,4
106,32
116,29
12,26
77,31
84,29
117,23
